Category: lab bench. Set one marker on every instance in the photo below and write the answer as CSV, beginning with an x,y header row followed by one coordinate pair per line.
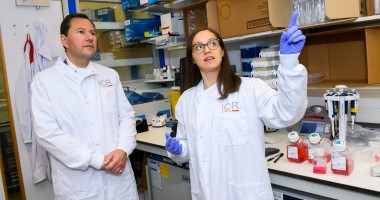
x,y
297,176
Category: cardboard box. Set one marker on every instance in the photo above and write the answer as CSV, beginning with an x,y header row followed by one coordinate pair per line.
x,y
349,57
200,15
281,11
243,17
373,7
172,23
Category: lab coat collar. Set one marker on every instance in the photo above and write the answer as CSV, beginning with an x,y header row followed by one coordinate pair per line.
x,y
209,92
80,72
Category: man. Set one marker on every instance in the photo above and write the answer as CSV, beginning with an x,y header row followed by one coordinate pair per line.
x,y
83,119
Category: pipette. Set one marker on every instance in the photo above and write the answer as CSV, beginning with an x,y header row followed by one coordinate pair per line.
x,y
342,133
354,109
330,109
342,111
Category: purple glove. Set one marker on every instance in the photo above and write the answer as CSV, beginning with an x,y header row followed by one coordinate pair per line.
x,y
172,145
292,40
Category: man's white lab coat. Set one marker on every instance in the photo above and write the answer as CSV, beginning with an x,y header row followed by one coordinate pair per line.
x,y
78,127
223,140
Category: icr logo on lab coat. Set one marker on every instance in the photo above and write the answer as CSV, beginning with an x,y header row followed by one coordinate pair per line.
x,y
230,107
105,83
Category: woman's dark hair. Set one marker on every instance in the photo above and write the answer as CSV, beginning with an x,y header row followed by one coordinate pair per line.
x,y
227,81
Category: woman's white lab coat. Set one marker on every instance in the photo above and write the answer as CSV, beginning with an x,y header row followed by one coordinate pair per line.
x,y
223,140
76,141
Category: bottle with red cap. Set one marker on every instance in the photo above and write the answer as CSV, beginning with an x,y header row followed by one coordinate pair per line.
x,y
297,148
342,161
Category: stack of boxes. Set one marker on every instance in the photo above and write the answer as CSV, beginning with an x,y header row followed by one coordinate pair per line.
x,y
248,53
138,26
265,67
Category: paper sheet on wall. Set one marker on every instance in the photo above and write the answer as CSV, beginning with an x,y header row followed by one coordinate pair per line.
x,y
155,174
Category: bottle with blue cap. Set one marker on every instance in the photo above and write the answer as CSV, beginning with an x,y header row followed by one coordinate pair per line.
x,y
316,141
297,148
342,161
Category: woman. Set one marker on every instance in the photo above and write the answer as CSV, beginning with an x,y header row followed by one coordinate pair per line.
x,y
221,117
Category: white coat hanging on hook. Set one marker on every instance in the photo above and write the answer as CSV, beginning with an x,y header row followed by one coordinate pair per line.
x,y
36,3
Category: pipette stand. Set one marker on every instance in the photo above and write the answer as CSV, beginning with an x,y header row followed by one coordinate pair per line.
x,y
343,97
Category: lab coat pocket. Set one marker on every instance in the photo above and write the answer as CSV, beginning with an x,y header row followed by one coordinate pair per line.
x,y
248,192
196,195
108,98
75,184
231,128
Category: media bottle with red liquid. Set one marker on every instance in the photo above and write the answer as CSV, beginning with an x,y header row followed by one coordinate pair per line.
x,y
315,141
320,161
342,161
297,148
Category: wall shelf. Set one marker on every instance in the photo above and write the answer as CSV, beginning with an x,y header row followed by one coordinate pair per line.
x,y
102,1
349,23
109,26
159,81
125,62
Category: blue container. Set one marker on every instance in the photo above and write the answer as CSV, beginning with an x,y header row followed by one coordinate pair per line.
x,y
134,72
128,4
140,29
134,98
248,51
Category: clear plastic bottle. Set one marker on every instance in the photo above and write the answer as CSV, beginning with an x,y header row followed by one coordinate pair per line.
x,y
342,161
319,162
315,141
297,148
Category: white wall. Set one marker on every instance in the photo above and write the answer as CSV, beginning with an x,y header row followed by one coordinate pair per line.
x,y
13,42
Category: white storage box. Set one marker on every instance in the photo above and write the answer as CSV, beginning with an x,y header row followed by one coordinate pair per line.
x,y
172,23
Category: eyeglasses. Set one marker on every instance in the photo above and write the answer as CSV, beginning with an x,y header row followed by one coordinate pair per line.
x,y
200,48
